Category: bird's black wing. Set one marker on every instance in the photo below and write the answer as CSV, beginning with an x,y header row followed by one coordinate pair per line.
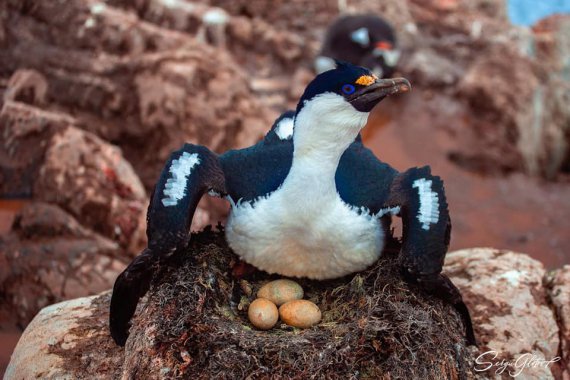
x,y
416,195
188,174
362,180
419,198
259,170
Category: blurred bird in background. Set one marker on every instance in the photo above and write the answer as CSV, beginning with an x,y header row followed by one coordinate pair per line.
x,y
364,40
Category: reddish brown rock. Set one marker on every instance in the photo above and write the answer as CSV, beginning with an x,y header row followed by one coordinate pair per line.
x,y
558,283
44,156
28,86
49,257
66,340
509,304
148,89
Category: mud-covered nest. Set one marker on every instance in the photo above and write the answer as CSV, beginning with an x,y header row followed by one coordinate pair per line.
x,y
193,324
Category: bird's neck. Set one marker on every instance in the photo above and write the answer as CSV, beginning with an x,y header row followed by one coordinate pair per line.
x,y
312,175
318,159
315,161
324,128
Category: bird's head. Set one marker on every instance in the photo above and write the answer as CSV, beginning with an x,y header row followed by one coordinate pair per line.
x,y
336,104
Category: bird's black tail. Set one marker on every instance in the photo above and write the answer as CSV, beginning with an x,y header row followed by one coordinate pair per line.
x,y
466,317
129,287
441,286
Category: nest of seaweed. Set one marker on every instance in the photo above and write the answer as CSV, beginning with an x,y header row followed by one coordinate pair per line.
x,y
193,324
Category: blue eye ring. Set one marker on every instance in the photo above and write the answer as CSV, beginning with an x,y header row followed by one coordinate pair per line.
x,y
348,89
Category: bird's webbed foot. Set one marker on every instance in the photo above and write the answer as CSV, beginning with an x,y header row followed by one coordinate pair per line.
x,y
426,228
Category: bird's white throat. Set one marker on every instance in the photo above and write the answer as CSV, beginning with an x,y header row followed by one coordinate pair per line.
x,y
326,126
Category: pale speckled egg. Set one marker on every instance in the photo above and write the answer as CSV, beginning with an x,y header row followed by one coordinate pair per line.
x,y
281,291
263,314
300,313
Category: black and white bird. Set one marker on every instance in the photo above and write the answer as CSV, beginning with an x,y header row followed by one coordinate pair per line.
x,y
309,200
364,40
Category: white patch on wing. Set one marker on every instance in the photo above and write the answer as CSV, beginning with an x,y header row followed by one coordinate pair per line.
x,y
180,169
429,203
284,128
361,37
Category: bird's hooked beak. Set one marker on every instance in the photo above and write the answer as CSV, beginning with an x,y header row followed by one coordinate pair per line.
x,y
366,98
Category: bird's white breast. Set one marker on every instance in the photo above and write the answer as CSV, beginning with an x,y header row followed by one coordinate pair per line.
x,y
301,232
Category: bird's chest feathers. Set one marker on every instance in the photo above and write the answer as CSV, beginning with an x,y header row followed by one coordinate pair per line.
x,y
304,229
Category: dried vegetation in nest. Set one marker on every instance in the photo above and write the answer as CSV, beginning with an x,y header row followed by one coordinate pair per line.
x,y
194,324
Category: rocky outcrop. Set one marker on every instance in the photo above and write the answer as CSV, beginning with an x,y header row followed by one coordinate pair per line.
x,y
558,284
45,156
511,309
88,213
510,78
144,87
76,328
49,257
514,315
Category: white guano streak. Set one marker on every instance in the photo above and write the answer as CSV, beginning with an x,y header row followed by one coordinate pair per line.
x,y
429,203
180,170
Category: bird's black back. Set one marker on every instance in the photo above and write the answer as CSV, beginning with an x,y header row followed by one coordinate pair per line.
x,y
260,169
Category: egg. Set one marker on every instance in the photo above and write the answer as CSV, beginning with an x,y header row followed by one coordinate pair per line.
x,y
263,314
281,291
300,313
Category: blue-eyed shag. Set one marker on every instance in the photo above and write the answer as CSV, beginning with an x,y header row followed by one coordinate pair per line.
x,y
364,40
309,200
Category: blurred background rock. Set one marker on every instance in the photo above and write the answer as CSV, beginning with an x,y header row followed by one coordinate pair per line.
x,y
95,94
